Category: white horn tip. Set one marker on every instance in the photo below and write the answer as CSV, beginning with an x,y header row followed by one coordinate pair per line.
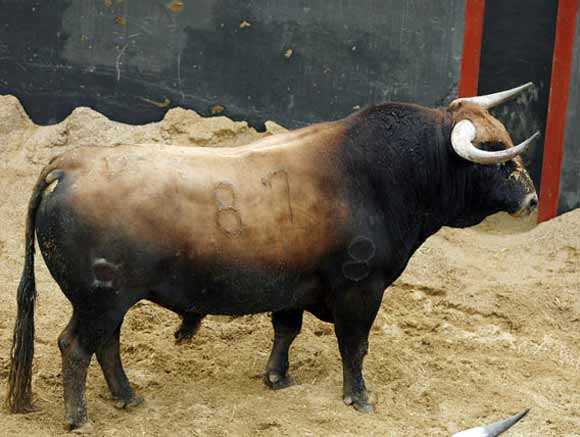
x,y
491,100
494,429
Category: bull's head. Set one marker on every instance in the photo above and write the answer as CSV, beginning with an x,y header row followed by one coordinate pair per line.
x,y
502,181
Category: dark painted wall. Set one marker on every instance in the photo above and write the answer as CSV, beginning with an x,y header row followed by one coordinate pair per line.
x,y
570,177
294,62
518,43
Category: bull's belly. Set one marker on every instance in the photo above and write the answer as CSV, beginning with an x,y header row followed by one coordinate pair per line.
x,y
234,291
115,268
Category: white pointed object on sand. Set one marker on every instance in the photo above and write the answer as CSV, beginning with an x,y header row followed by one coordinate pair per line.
x,y
493,429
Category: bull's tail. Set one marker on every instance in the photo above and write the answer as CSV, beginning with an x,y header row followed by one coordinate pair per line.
x,y
19,398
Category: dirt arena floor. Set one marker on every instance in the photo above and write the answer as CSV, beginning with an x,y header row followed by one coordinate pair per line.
x,y
484,323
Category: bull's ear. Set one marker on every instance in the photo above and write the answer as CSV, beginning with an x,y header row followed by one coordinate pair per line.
x,y
491,100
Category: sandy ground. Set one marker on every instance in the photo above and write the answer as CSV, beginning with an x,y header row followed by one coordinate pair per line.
x,y
483,323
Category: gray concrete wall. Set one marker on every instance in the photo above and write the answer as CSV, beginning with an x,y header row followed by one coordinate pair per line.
x,y
517,47
570,176
293,62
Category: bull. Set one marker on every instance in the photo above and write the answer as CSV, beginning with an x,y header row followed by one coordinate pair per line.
x,y
320,219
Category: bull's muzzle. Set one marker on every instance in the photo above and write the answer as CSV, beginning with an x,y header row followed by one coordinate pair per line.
x,y
529,205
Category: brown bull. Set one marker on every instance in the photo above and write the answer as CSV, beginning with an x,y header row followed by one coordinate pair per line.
x,y
321,219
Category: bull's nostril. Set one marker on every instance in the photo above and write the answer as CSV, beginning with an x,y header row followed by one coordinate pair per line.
x,y
533,203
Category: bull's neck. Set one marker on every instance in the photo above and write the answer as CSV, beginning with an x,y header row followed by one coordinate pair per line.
x,y
405,152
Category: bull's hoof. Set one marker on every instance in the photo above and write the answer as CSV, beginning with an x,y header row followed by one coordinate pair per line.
x,y
86,428
362,406
186,332
125,404
183,336
79,427
275,381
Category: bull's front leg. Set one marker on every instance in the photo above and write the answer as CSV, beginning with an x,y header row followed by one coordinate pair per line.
x,y
287,325
354,313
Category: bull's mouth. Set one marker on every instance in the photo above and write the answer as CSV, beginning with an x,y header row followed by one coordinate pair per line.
x,y
522,213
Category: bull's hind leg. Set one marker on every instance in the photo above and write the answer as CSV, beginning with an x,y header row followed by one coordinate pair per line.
x,y
287,325
354,312
76,355
89,330
109,358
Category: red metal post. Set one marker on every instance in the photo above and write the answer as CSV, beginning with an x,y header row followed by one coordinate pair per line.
x,y
472,37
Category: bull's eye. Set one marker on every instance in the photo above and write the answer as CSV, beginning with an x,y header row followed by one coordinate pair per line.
x,y
510,165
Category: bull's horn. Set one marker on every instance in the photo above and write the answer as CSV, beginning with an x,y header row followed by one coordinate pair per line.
x,y
463,134
493,429
490,100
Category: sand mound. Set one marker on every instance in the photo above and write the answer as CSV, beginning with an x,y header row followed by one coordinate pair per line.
x,y
483,323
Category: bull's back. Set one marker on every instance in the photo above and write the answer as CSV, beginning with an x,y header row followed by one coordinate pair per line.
x,y
262,207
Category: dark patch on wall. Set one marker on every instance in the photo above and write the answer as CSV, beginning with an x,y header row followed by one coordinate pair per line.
x,y
293,62
518,43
